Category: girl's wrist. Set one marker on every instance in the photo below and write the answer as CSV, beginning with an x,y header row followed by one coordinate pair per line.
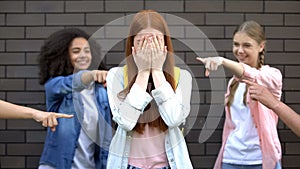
x,y
156,70
275,105
142,79
145,72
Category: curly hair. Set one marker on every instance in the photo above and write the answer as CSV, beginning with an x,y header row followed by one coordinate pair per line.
x,y
54,59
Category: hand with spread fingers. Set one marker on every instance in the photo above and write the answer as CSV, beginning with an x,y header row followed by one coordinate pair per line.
x,y
141,55
147,102
158,52
211,63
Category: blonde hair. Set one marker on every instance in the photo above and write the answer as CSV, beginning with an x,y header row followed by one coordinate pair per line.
x,y
255,32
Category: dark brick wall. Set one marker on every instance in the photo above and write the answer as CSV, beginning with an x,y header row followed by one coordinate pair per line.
x,y
25,24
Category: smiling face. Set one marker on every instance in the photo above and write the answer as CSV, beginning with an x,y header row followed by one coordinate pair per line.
x,y
246,49
80,53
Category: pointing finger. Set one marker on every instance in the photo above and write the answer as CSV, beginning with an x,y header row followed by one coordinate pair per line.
x,y
59,115
201,59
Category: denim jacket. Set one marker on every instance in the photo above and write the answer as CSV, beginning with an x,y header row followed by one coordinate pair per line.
x,y
63,96
174,107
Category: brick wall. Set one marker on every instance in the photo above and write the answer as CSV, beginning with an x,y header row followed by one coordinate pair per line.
x,y
25,24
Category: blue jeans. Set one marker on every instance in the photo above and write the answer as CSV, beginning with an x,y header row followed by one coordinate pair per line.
x,y
132,167
237,166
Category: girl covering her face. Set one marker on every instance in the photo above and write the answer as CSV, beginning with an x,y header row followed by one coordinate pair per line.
x,y
148,101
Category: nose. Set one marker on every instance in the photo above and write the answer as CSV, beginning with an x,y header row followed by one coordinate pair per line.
x,y
240,49
82,54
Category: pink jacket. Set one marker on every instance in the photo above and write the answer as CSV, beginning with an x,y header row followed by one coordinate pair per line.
x,y
264,118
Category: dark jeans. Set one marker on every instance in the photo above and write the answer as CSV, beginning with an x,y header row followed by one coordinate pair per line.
x,y
237,166
132,167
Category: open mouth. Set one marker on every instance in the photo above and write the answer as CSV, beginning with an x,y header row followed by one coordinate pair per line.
x,y
81,62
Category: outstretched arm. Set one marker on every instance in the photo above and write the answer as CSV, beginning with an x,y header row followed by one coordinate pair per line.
x,y
212,63
94,75
13,111
285,113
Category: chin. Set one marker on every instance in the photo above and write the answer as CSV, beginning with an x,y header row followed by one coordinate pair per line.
x,y
82,67
244,60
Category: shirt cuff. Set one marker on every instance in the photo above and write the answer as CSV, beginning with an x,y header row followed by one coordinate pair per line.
x,y
138,98
77,83
163,93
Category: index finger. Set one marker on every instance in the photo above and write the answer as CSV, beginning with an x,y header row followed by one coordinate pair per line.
x,y
103,74
248,82
142,43
157,42
201,59
60,115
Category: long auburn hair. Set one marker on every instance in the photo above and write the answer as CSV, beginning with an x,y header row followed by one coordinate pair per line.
x,y
255,32
142,20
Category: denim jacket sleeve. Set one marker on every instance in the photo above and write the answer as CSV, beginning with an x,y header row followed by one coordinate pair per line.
x,y
58,87
125,112
174,107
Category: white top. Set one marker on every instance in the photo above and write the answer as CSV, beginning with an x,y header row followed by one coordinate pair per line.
x,y
173,107
242,146
84,153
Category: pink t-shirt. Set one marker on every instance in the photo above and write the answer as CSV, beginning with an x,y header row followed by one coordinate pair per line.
x,y
147,150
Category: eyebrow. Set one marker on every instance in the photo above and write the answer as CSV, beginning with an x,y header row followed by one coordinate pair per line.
x,y
76,47
235,42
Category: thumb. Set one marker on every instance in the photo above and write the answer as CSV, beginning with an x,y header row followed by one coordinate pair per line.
x,y
53,129
206,72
